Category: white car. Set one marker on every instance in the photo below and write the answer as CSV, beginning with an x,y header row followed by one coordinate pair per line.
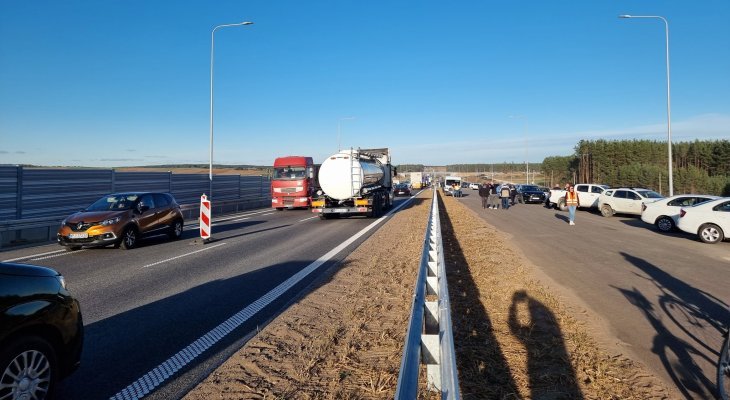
x,y
664,213
709,220
474,186
625,200
588,194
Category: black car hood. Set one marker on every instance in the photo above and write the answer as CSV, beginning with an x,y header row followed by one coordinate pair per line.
x,y
25,270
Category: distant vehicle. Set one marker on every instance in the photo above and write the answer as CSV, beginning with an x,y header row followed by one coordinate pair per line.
x,y
710,220
401,190
664,213
449,181
41,331
121,219
416,180
293,183
474,186
625,200
588,194
355,182
531,194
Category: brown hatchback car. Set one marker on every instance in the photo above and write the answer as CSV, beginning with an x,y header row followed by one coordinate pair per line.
x,y
121,219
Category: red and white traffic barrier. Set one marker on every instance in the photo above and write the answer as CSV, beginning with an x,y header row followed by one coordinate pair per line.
x,y
204,217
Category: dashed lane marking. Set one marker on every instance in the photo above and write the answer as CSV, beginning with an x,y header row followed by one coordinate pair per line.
x,y
184,255
306,219
34,255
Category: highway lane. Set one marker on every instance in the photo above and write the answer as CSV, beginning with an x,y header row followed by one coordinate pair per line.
x,y
661,295
144,305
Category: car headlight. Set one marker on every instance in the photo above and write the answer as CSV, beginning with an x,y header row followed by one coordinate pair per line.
x,y
319,192
110,221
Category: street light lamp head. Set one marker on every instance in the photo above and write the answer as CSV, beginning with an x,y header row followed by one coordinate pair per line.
x,y
247,23
625,16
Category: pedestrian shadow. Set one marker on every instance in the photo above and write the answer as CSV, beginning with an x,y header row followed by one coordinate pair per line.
x,y
548,364
690,310
483,369
562,217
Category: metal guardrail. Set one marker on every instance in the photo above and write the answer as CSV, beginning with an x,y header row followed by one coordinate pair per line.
x,y
430,339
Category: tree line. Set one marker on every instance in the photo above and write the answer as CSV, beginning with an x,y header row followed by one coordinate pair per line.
x,y
698,166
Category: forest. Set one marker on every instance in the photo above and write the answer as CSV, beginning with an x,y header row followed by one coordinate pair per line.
x,y
698,166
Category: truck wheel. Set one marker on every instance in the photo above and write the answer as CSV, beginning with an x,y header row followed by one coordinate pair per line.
x,y
606,211
561,205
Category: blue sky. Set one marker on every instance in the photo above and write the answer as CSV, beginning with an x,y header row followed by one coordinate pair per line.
x,y
119,83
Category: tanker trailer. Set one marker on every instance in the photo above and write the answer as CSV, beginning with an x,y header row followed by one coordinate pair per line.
x,y
355,182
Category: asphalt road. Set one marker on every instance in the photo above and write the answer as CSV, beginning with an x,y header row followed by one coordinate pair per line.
x,y
143,306
663,296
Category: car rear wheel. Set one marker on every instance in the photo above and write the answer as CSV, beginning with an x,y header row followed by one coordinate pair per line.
x,y
710,233
561,205
665,224
129,239
176,230
606,211
28,369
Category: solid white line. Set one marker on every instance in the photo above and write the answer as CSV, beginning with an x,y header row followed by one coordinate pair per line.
x,y
266,214
34,255
184,255
307,219
240,219
65,253
159,374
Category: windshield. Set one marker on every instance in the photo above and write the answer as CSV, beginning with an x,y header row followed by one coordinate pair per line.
x,y
650,194
450,182
530,188
114,202
289,173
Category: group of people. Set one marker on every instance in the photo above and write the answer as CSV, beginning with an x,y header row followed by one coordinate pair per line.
x,y
493,195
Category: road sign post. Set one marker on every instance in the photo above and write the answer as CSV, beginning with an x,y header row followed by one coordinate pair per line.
x,y
205,218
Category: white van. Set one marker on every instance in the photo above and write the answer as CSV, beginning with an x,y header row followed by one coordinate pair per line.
x,y
451,180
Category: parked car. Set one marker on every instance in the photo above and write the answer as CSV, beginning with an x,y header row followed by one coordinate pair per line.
x,y
625,200
41,331
474,186
710,220
401,190
531,194
121,219
664,213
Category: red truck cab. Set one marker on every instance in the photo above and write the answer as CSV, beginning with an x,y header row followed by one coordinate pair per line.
x,y
293,182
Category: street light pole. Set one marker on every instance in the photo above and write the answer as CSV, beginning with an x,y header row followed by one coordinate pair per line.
x,y
669,98
339,128
527,157
212,52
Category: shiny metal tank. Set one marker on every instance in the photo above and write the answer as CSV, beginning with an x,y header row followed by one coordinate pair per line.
x,y
342,175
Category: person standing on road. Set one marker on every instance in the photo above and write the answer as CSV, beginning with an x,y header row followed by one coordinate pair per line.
x,y
484,194
512,194
493,196
504,193
572,201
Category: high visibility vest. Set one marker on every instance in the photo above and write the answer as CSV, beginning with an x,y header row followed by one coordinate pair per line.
x,y
571,198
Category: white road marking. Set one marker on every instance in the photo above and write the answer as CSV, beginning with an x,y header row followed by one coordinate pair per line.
x,y
266,214
306,219
152,379
240,219
184,255
65,253
34,255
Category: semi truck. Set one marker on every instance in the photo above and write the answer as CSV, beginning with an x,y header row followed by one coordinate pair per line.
x,y
293,183
355,182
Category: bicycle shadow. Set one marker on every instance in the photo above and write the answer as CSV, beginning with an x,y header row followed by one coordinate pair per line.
x,y
692,311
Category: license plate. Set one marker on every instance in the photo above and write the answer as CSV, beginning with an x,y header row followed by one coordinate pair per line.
x,y
78,235
340,210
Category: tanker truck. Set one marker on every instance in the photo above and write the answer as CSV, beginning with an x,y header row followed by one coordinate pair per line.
x,y
355,182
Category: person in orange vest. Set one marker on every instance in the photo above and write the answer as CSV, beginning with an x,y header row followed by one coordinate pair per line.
x,y
572,201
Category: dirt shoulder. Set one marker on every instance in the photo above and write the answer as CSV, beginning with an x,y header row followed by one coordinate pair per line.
x,y
514,339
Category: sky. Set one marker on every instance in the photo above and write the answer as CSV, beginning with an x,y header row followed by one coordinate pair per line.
x,y
127,83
